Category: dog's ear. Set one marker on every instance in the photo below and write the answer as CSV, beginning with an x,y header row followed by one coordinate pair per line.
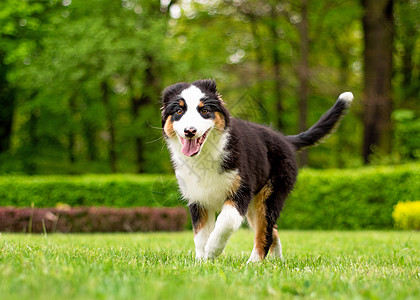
x,y
206,85
172,92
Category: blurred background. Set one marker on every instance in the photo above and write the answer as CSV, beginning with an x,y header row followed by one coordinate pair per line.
x,y
80,81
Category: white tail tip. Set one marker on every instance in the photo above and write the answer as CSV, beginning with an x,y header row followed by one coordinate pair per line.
x,y
347,97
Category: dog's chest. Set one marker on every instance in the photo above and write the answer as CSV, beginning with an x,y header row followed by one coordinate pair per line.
x,y
205,183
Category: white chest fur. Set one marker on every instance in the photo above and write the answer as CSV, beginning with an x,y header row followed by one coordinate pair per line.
x,y
200,178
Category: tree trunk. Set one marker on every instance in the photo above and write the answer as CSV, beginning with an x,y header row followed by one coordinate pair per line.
x,y
112,149
303,76
137,102
89,130
377,102
72,133
7,105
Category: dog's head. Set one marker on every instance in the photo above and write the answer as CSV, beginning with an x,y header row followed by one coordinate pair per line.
x,y
190,112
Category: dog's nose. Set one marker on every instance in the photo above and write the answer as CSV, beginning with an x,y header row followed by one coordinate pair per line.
x,y
190,132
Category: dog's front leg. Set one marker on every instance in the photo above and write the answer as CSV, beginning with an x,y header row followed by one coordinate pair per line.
x,y
203,224
228,221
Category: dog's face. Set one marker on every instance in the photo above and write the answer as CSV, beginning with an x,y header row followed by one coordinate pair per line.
x,y
190,112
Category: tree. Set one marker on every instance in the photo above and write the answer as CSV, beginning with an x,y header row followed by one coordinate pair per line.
x,y
18,25
378,25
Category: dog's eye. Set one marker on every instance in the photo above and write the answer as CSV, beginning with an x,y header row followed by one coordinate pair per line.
x,y
204,111
179,111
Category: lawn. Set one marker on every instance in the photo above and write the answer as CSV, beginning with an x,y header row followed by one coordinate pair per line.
x,y
317,264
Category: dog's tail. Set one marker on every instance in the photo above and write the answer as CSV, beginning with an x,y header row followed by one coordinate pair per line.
x,y
325,125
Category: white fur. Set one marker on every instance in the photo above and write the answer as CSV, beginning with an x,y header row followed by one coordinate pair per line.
x,y
202,236
276,250
255,257
228,221
347,97
200,177
192,117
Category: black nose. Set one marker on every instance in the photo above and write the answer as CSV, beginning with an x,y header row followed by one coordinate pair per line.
x,y
190,132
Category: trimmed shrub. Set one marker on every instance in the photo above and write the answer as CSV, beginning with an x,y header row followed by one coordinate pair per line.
x,y
350,199
90,190
92,219
406,215
329,199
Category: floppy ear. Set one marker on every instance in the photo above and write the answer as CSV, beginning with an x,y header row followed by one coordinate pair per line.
x,y
208,85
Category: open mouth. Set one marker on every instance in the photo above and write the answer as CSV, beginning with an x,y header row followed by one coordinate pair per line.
x,y
191,147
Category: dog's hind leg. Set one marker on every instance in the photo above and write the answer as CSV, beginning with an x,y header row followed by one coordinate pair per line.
x,y
275,248
263,226
228,221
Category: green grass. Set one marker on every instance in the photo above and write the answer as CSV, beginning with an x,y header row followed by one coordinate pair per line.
x,y
317,264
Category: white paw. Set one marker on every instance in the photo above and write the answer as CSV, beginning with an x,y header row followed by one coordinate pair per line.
x,y
200,257
212,252
254,257
254,260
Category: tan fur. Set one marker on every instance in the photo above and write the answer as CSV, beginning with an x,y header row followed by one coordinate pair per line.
x,y
275,239
235,185
257,218
219,121
230,202
203,220
169,128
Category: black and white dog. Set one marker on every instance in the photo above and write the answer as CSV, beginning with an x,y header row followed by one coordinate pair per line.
x,y
238,168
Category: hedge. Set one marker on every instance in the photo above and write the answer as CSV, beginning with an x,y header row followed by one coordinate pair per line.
x,y
350,199
328,199
90,190
92,219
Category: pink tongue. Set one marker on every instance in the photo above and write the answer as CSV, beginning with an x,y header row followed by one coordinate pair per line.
x,y
190,146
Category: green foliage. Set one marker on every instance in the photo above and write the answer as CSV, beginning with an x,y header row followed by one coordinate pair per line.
x,y
330,199
56,56
406,215
407,133
89,190
350,199
320,265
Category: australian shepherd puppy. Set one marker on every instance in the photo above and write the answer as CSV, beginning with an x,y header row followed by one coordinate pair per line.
x,y
233,167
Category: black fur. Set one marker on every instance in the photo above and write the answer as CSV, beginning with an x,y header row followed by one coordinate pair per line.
x,y
261,155
196,212
170,99
212,100
325,125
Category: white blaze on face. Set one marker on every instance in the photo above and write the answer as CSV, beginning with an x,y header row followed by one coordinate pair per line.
x,y
192,118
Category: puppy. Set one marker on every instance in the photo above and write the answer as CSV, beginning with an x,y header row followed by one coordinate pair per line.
x,y
233,167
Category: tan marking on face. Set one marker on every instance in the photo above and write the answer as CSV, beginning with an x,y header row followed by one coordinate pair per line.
x,y
258,219
219,121
204,216
201,104
169,128
182,102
